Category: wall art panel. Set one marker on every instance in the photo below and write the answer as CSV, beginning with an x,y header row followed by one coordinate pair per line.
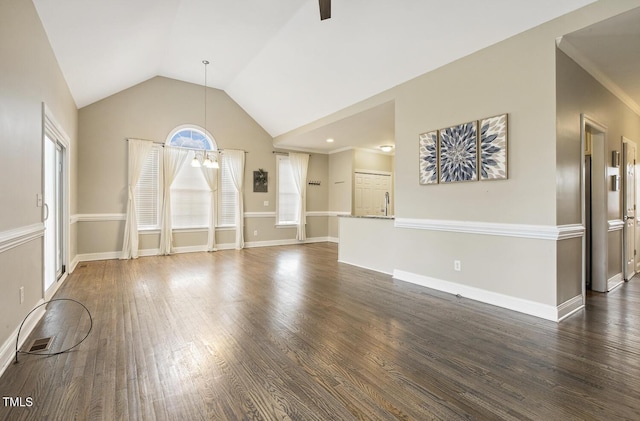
x,y
429,158
459,153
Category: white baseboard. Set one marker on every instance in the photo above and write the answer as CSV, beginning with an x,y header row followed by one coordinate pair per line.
x,y
90,257
366,267
55,287
570,307
112,255
8,349
532,308
73,264
288,242
333,240
615,281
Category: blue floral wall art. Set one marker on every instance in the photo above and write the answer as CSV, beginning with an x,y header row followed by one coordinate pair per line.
x,y
459,153
493,148
429,157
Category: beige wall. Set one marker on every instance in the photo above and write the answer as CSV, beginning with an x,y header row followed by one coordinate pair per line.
x,y
151,110
577,93
516,76
29,76
341,166
367,160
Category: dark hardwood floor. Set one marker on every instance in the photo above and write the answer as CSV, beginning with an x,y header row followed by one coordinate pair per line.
x,y
288,333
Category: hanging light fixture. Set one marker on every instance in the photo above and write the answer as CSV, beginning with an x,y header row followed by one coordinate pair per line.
x,y
207,162
195,162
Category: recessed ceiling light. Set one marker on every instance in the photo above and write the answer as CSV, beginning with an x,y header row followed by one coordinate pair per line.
x,y
330,140
386,148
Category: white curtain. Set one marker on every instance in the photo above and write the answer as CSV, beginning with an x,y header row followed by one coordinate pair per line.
x,y
211,175
138,152
299,165
173,160
235,161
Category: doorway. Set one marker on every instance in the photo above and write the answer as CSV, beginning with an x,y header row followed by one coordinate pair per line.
x,y
629,208
594,206
55,209
372,193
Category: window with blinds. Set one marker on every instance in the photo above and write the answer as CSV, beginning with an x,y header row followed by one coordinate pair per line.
x,y
190,197
287,204
148,191
190,194
227,196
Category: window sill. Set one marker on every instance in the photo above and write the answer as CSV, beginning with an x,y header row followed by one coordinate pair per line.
x,y
149,231
287,225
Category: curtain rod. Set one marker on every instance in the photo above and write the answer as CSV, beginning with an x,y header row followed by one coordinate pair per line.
x,y
222,150
163,145
280,153
146,140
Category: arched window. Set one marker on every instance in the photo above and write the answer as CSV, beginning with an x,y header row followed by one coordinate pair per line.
x,y
190,193
191,137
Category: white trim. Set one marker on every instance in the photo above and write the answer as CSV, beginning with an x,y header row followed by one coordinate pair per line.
x,y
114,255
55,132
289,242
74,263
615,225
104,217
570,231
318,213
48,295
615,281
259,214
189,249
51,124
353,148
109,255
344,149
541,232
374,172
570,307
73,219
570,50
333,240
99,217
18,236
189,229
8,349
532,308
339,213
366,267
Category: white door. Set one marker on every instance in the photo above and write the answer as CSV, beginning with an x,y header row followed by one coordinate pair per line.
x,y
369,191
53,212
629,203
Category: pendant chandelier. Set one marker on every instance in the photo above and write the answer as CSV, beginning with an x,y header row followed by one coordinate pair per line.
x,y
204,159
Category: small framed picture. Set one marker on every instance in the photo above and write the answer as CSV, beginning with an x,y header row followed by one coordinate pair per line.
x,y
260,179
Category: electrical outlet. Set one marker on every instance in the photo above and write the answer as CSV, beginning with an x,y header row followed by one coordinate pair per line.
x,y
457,266
266,203
255,233
21,295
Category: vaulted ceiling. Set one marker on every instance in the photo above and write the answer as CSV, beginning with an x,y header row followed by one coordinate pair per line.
x,y
276,58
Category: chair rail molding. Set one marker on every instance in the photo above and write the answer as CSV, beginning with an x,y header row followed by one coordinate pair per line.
x,y
541,232
18,236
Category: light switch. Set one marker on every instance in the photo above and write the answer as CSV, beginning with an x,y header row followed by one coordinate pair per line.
x,y
266,203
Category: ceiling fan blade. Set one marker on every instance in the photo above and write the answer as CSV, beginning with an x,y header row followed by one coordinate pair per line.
x,y
325,9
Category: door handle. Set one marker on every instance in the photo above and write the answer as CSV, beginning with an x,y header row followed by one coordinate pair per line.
x,y
46,214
